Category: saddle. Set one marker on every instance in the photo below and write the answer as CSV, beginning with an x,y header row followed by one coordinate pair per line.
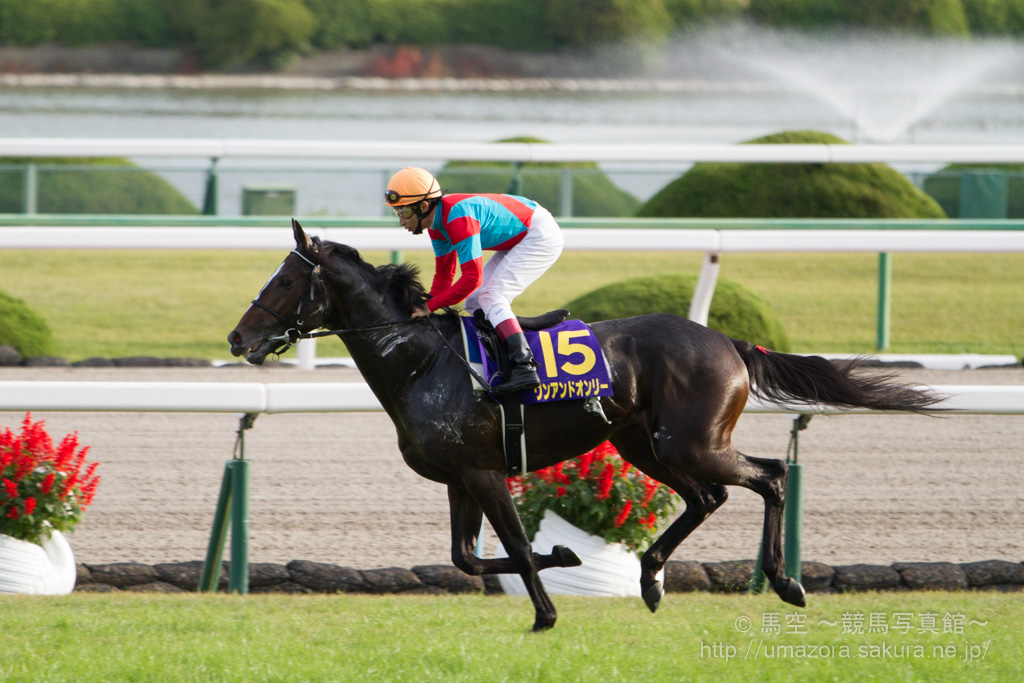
x,y
489,337
588,380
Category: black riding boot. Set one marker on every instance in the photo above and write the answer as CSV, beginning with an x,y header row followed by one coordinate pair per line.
x,y
524,370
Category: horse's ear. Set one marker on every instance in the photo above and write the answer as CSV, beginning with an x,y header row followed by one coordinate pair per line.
x,y
302,240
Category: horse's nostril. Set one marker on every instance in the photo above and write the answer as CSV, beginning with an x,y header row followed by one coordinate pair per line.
x,y
235,338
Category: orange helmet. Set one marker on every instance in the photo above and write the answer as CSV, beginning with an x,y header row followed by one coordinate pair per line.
x,y
411,185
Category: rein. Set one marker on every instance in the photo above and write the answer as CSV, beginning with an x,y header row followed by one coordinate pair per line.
x,y
291,336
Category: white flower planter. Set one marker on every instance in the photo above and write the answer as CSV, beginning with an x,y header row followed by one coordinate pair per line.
x,y
608,570
37,570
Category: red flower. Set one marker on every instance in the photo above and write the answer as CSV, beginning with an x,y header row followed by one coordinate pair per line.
x,y
31,463
621,519
560,492
604,486
585,461
652,487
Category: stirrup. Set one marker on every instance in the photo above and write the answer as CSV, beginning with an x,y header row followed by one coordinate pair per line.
x,y
525,380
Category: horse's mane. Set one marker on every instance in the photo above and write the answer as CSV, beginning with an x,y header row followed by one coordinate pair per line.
x,y
400,283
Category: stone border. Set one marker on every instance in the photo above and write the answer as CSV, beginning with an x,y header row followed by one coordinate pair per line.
x,y
301,576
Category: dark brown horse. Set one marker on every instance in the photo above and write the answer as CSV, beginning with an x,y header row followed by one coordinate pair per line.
x,y
679,390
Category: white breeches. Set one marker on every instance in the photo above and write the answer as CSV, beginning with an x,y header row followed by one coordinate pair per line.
x,y
508,273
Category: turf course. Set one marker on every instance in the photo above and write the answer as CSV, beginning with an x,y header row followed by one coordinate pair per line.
x,y
170,304
695,637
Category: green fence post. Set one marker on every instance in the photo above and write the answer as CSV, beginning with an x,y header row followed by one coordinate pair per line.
x,y
757,579
793,515
884,284
238,579
794,521
215,550
30,190
210,197
516,186
565,193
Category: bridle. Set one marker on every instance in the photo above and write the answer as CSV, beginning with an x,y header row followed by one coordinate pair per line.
x,y
292,334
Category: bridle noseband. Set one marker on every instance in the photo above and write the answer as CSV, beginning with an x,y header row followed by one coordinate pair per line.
x,y
292,334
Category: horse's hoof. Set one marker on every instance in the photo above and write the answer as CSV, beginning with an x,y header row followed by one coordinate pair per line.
x,y
795,593
653,595
541,626
564,557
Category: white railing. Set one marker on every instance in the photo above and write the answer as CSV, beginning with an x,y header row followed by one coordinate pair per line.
x,y
347,397
522,152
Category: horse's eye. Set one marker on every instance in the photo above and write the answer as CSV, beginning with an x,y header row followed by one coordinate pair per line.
x,y
285,282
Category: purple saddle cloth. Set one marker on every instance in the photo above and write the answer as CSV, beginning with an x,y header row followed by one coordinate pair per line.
x,y
570,362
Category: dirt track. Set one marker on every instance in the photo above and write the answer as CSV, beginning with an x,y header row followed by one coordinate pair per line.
x,y
333,488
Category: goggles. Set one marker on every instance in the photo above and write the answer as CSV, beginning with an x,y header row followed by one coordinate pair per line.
x,y
406,211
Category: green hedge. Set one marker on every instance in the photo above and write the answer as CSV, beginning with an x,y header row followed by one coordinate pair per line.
x,y
712,190
735,310
23,328
100,186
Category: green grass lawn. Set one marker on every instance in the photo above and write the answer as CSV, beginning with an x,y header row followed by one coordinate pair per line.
x,y
183,303
965,636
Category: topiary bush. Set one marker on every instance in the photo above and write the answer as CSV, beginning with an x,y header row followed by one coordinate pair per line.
x,y
592,192
735,310
23,328
103,186
712,190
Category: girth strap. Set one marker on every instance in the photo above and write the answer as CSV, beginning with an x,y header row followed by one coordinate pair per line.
x,y
514,432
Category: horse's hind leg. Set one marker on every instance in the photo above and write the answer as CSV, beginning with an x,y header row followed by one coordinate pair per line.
x,y
767,478
466,514
701,499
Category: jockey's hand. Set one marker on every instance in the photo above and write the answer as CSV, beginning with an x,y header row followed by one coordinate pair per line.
x,y
420,312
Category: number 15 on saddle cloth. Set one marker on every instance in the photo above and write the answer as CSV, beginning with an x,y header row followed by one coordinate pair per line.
x,y
570,362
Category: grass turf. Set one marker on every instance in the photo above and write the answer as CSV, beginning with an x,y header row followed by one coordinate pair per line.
x,y
693,637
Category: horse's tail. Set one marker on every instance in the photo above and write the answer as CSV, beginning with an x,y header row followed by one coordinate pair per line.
x,y
787,378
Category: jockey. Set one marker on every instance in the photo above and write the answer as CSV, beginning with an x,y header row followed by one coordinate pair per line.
x,y
522,232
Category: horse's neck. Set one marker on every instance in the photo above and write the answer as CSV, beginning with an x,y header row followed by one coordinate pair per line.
x,y
392,358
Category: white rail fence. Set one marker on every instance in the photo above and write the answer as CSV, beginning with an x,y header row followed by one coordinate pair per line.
x,y
519,152
349,397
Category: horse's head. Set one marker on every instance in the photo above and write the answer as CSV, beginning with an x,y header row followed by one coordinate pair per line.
x,y
291,303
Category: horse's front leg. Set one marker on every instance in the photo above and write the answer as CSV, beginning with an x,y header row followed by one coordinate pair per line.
x,y
490,496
